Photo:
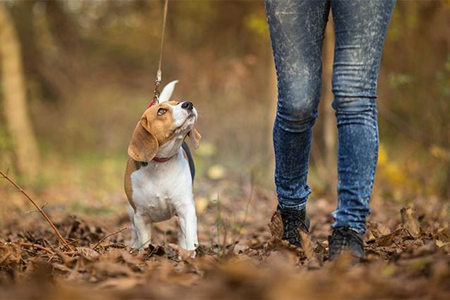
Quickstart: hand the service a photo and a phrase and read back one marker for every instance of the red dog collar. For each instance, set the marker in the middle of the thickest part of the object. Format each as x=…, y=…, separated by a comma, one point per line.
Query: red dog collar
x=162, y=159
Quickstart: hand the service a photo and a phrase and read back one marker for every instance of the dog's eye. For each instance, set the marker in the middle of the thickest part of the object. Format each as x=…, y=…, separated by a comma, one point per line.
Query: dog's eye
x=161, y=111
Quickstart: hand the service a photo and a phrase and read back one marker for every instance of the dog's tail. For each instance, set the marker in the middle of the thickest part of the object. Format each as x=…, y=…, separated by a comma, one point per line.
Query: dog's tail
x=189, y=158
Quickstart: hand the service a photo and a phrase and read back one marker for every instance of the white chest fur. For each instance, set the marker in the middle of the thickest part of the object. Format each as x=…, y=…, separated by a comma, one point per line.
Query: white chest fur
x=160, y=191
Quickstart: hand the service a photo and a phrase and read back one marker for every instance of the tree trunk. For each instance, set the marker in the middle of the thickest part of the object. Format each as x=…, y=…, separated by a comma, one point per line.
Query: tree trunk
x=14, y=99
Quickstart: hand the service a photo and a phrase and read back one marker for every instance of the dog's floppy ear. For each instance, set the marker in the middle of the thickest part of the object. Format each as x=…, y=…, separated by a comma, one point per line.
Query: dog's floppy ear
x=144, y=145
x=195, y=137
x=167, y=91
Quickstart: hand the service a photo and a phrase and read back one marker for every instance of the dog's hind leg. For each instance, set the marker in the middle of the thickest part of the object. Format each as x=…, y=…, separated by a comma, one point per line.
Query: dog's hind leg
x=143, y=231
x=133, y=240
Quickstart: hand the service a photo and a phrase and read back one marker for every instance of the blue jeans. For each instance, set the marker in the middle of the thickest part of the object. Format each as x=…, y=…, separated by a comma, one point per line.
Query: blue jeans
x=297, y=30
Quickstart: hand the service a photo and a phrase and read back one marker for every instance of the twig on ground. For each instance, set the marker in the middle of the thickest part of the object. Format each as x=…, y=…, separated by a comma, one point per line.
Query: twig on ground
x=107, y=236
x=249, y=199
x=58, y=234
x=38, y=247
x=218, y=224
x=140, y=246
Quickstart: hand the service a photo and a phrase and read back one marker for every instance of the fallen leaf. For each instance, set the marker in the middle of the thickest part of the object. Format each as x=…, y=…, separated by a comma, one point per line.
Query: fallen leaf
x=122, y=283
x=440, y=243
x=410, y=221
x=387, y=240
x=88, y=253
x=113, y=269
x=307, y=245
x=276, y=226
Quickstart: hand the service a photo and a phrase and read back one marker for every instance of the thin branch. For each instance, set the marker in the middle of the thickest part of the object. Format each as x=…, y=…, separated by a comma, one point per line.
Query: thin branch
x=108, y=235
x=58, y=234
x=249, y=199
x=38, y=247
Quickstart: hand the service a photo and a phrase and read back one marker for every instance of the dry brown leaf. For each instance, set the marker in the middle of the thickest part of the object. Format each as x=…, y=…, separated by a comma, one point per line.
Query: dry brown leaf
x=182, y=253
x=387, y=240
x=61, y=268
x=276, y=226
x=241, y=270
x=307, y=245
x=396, y=263
x=122, y=283
x=88, y=253
x=113, y=269
x=281, y=259
x=440, y=243
x=410, y=221
x=68, y=260
x=9, y=255
x=132, y=259
x=383, y=229
x=426, y=249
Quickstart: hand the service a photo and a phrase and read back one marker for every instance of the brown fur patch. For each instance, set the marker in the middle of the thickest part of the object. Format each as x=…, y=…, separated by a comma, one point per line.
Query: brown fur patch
x=151, y=131
x=195, y=137
x=143, y=145
x=161, y=127
x=132, y=166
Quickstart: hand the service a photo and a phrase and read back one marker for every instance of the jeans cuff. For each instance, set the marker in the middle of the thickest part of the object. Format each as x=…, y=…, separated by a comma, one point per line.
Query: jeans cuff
x=355, y=226
x=300, y=206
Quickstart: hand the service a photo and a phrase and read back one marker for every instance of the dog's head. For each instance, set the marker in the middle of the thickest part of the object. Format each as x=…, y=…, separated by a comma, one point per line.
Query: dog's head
x=161, y=123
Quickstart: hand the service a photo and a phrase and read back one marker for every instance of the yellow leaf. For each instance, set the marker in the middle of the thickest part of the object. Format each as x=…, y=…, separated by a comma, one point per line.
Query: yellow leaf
x=439, y=152
x=216, y=172
x=382, y=155
x=440, y=243
x=206, y=149
x=201, y=203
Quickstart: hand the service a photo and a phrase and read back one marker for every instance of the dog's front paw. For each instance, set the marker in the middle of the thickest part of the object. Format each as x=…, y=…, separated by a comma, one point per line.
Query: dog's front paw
x=136, y=246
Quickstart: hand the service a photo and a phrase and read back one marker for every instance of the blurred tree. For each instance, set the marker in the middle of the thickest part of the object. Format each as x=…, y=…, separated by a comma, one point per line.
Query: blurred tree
x=64, y=68
x=329, y=122
x=14, y=98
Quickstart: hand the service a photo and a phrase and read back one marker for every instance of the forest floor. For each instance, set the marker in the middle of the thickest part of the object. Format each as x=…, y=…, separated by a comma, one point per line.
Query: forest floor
x=240, y=256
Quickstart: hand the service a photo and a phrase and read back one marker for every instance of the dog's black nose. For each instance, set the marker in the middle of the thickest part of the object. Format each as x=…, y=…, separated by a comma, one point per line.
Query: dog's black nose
x=187, y=105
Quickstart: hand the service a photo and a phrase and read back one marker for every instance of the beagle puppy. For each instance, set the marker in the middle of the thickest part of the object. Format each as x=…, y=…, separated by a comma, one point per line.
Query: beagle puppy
x=160, y=170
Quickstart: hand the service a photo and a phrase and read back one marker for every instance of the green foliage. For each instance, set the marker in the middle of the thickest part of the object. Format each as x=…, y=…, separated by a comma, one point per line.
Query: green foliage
x=5, y=141
x=257, y=23
x=398, y=80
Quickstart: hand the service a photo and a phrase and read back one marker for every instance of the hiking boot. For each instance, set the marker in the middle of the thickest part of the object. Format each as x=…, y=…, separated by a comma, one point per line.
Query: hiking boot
x=293, y=221
x=344, y=239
